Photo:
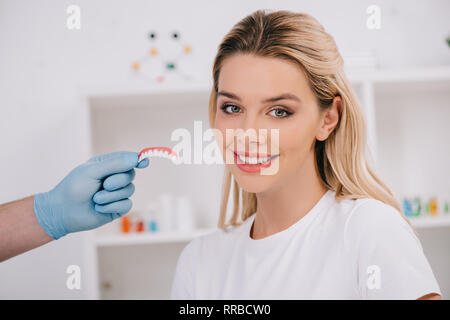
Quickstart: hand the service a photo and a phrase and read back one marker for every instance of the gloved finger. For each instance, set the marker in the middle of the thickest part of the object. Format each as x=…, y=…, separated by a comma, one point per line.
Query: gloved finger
x=119, y=180
x=99, y=167
x=143, y=164
x=116, y=209
x=104, y=196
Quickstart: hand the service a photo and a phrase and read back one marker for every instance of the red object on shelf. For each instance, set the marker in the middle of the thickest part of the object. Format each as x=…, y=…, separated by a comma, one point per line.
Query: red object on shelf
x=140, y=226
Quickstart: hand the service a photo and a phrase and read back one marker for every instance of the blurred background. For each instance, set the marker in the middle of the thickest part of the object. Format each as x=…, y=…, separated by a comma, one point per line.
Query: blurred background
x=131, y=72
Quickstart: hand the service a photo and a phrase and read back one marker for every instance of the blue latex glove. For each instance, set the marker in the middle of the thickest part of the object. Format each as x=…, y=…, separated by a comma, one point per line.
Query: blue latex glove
x=91, y=195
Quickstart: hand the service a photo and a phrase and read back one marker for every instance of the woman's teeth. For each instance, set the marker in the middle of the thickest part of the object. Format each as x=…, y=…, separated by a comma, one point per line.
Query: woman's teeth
x=252, y=160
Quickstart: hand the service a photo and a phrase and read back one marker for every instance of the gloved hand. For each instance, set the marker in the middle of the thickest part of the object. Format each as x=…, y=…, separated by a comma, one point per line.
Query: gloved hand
x=91, y=195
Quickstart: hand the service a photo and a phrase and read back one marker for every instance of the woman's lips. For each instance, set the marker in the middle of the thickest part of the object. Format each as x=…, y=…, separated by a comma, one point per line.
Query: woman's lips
x=246, y=167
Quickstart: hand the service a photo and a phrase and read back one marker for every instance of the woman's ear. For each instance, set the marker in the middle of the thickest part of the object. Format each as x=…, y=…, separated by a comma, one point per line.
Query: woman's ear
x=330, y=119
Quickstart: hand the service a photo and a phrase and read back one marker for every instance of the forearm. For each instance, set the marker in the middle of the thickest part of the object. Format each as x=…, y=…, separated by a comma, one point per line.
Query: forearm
x=19, y=228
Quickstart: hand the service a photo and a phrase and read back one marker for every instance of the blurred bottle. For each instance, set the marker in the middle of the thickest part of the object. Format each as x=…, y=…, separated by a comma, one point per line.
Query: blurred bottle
x=434, y=207
x=416, y=207
x=125, y=224
x=165, y=212
x=407, y=210
x=184, y=215
x=150, y=217
x=140, y=226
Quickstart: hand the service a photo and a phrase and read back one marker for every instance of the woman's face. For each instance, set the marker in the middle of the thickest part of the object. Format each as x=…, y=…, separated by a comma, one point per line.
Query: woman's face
x=245, y=83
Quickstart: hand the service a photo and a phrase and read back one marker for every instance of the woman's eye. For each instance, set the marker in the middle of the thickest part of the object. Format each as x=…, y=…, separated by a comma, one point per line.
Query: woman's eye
x=230, y=108
x=281, y=113
x=277, y=113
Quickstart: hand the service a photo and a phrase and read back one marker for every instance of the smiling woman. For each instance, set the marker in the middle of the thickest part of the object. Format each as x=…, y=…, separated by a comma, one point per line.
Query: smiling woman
x=324, y=226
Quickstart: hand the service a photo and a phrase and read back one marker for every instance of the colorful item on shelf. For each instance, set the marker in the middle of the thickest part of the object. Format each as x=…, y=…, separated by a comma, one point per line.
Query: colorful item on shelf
x=125, y=224
x=140, y=226
x=417, y=208
x=430, y=208
x=151, y=216
x=152, y=226
x=407, y=208
x=433, y=207
x=130, y=225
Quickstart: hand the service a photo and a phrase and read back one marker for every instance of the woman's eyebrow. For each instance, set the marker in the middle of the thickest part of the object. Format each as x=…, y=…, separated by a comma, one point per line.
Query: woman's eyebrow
x=285, y=96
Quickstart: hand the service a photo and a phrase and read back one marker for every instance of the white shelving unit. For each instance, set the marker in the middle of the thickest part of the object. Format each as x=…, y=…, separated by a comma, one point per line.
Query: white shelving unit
x=149, y=238
x=373, y=88
x=431, y=222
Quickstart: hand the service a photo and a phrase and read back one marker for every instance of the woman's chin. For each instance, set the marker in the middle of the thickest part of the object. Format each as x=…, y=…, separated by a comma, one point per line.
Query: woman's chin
x=252, y=184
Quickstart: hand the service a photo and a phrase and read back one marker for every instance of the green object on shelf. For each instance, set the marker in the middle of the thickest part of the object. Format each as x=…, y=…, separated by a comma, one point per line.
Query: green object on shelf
x=446, y=207
x=448, y=41
x=417, y=208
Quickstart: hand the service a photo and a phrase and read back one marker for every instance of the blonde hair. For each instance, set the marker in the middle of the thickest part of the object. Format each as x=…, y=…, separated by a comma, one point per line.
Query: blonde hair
x=341, y=158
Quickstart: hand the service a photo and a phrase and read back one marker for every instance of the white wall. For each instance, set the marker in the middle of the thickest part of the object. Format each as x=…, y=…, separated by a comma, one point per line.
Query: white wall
x=43, y=125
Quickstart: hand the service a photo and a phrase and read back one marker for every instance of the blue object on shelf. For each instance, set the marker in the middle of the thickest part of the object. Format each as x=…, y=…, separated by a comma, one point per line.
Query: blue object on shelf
x=407, y=208
x=153, y=226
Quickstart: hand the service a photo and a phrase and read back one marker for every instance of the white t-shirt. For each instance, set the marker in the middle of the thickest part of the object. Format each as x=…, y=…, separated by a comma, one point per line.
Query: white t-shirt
x=347, y=249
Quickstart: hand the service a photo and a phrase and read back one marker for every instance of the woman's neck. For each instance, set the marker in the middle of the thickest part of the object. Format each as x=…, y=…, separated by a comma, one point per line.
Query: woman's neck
x=280, y=208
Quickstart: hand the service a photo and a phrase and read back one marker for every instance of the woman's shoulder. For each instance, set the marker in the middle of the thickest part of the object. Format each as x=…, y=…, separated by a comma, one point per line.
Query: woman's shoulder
x=373, y=212
x=363, y=210
x=372, y=220
x=363, y=217
x=384, y=249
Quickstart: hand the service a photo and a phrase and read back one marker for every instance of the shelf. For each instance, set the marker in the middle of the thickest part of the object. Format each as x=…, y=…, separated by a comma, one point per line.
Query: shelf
x=402, y=75
x=149, y=238
x=377, y=76
x=169, y=237
x=176, y=236
x=430, y=222
x=142, y=88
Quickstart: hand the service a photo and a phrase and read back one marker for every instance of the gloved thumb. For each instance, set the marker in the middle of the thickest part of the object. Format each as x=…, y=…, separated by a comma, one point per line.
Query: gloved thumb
x=102, y=166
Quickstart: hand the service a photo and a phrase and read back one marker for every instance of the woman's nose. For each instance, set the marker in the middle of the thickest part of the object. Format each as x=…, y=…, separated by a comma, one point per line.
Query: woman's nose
x=252, y=130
